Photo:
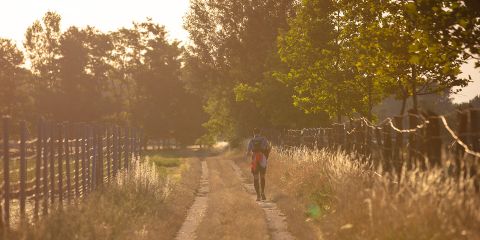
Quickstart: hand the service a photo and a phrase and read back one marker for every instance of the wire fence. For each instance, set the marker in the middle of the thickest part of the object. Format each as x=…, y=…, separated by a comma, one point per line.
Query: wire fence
x=414, y=141
x=48, y=165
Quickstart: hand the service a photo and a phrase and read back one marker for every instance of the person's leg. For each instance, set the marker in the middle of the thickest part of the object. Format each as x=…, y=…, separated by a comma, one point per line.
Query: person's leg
x=256, y=183
x=262, y=179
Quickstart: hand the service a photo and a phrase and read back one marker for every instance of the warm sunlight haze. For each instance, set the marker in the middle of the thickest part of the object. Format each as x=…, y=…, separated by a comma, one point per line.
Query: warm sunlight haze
x=107, y=15
x=240, y=119
x=17, y=15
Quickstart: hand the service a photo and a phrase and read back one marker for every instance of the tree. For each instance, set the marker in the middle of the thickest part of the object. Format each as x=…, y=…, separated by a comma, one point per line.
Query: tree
x=457, y=19
x=125, y=58
x=346, y=56
x=161, y=104
x=42, y=49
x=319, y=66
x=83, y=76
x=427, y=61
x=230, y=64
x=12, y=79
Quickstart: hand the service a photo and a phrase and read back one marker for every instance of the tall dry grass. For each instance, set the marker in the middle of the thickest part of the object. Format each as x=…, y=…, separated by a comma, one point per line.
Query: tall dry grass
x=351, y=200
x=129, y=208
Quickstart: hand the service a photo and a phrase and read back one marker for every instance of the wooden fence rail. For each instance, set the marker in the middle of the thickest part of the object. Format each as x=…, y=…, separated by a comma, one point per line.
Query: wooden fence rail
x=58, y=163
x=430, y=140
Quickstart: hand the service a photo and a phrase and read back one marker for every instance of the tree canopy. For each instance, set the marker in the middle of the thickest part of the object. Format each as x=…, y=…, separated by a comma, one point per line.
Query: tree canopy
x=231, y=61
x=272, y=64
x=128, y=76
x=346, y=56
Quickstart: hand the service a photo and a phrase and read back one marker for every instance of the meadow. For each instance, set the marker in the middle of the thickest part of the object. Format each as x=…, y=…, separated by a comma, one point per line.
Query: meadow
x=350, y=199
x=146, y=202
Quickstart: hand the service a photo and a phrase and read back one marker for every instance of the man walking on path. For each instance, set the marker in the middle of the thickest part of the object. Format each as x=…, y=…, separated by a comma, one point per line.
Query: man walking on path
x=259, y=148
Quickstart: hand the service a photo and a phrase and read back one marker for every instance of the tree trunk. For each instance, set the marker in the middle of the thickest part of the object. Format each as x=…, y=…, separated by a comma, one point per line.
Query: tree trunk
x=414, y=88
x=404, y=104
x=339, y=111
x=370, y=101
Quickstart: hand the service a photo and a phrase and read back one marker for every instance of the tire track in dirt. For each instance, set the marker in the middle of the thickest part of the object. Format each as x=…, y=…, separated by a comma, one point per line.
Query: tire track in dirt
x=231, y=214
x=197, y=210
x=276, y=220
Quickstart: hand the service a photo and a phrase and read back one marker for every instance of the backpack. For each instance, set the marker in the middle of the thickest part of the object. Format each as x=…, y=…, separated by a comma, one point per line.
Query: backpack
x=257, y=145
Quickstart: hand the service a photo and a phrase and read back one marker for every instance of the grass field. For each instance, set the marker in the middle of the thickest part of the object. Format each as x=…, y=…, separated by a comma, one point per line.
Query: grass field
x=350, y=200
x=160, y=161
x=138, y=205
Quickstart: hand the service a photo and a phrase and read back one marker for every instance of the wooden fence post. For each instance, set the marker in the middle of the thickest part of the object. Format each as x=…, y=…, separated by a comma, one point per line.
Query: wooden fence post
x=421, y=146
x=358, y=136
x=60, y=163
x=475, y=129
x=76, y=137
x=23, y=168
x=379, y=145
x=115, y=151
x=38, y=169
x=433, y=142
x=88, y=159
x=45, y=157
x=475, y=138
x=412, y=140
x=67, y=132
x=139, y=144
x=121, y=147
x=133, y=143
x=387, y=147
x=368, y=140
x=302, y=138
x=93, y=158
x=93, y=179
x=126, y=146
x=348, y=136
x=99, y=160
x=336, y=135
x=6, y=172
x=143, y=143
x=320, y=138
x=330, y=137
x=84, y=150
x=109, y=152
x=341, y=135
x=397, y=153
x=362, y=138
x=52, y=161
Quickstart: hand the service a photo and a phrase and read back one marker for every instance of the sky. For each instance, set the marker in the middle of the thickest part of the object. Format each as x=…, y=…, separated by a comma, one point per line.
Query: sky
x=108, y=15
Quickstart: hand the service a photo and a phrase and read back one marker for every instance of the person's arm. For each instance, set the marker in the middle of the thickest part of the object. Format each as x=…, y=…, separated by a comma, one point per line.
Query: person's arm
x=249, y=149
x=267, y=148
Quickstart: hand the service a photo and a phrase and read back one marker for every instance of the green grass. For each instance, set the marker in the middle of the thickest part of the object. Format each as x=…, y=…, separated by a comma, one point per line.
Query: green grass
x=167, y=164
x=160, y=161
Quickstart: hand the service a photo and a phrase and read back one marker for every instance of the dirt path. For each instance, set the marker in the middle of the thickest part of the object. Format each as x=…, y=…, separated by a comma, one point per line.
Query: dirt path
x=197, y=211
x=276, y=220
x=231, y=213
x=299, y=225
x=225, y=207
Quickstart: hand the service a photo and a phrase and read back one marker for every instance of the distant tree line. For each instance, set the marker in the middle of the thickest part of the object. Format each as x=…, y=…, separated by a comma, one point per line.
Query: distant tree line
x=286, y=63
x=272, y=64
x=128, y=76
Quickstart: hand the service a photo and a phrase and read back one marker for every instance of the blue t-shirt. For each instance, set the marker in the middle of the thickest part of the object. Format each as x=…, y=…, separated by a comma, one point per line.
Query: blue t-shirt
x=264, y=141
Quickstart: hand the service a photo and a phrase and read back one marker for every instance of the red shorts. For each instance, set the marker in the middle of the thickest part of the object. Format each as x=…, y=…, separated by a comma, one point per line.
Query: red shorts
x=256, y=166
